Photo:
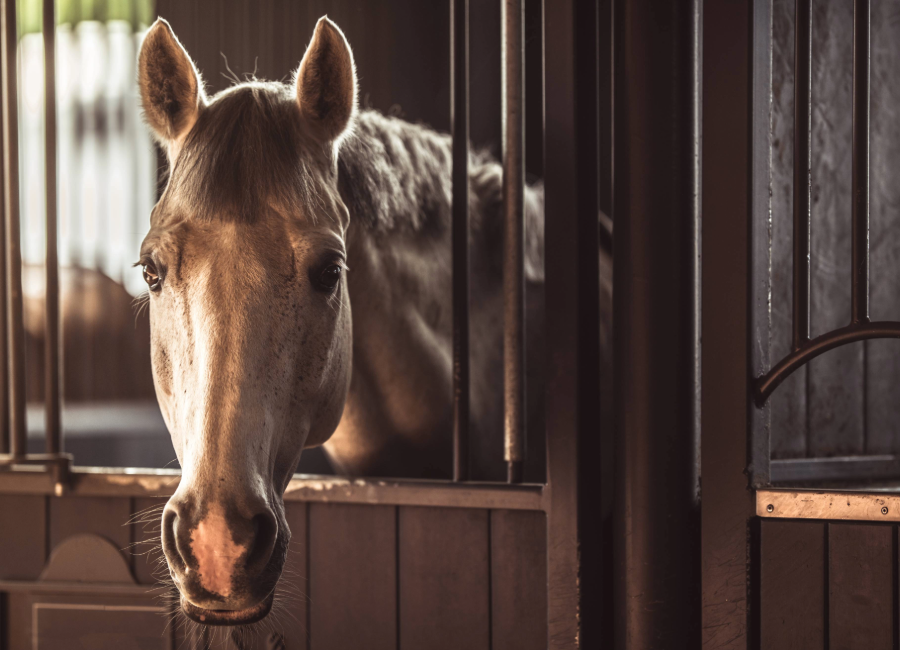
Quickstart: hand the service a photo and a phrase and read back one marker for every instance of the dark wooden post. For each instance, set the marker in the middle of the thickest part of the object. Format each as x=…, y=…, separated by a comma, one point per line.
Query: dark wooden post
x=573, y=322
x=727, y=504
x=656, y=323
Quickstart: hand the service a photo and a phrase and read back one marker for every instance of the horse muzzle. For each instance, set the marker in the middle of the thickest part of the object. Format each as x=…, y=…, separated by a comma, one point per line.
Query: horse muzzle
x=224, y=559
x=227, y=616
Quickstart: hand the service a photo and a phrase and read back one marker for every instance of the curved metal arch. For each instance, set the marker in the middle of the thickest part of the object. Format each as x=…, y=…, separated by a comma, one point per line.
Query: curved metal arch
x=817, y=346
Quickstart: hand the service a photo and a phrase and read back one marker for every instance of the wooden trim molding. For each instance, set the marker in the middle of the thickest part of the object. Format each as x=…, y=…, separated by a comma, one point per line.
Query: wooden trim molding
x=119, y=482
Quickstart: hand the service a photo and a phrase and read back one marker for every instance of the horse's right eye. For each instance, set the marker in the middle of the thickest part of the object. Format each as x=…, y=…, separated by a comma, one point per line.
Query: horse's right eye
x=151, y=277
x=329, y=277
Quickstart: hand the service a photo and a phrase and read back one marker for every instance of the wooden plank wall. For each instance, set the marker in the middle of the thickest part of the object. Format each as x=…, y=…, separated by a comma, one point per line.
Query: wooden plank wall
x=827, y=585
x=844, y=402
x=357, y=576
x=401, y=49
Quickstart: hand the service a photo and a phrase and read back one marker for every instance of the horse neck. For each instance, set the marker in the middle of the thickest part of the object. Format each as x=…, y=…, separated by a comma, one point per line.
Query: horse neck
x=400, y=286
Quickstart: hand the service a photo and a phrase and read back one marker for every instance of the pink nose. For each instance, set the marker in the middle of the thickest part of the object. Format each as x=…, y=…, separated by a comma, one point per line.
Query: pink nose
x=215, y=555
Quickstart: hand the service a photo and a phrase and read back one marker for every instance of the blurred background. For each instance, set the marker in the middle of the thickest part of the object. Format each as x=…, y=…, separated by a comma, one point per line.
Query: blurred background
x=109, y=169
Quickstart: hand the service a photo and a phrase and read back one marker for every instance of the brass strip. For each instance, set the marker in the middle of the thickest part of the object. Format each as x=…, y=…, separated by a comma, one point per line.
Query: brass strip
x=809, y=504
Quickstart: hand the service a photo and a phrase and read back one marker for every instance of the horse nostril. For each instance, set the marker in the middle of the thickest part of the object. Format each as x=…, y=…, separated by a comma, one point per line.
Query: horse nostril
x=170, y=542
x=265, y=533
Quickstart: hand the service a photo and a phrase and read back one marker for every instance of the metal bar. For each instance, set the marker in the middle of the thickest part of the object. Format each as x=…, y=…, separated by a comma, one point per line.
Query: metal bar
x=53, y=429
x=459, y=118
x=16, y=331
x=513, y=21
x=5, y=432
x=862, y=21
x=837, y=505
x=802, y=126
x=695, y=210
x=835, y=338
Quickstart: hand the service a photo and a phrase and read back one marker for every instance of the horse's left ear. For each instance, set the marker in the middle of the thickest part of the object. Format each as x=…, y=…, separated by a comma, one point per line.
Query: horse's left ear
x=326, y=82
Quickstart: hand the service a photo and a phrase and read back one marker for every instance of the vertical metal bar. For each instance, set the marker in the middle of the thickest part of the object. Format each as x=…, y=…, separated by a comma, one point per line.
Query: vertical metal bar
x=802, y=126
x=5, y=433
x=16, y=331
x=459, y=117
x=695, y=182
x=513, y=21
x=862, y=21
x=52, y=333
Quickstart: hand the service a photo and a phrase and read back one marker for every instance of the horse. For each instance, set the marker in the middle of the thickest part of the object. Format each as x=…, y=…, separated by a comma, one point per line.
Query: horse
x=298, y=266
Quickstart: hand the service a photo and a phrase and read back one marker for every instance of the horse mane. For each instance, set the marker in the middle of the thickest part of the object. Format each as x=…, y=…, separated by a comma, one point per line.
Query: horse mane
x=396, y=176
x=248, y=148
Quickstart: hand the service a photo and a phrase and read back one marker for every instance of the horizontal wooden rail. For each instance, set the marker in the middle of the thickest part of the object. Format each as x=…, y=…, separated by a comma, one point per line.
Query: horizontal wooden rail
x=113, y=482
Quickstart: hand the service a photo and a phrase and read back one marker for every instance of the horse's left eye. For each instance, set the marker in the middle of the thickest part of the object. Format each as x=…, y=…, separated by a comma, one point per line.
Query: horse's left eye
x=329, y=277
x=151, y=277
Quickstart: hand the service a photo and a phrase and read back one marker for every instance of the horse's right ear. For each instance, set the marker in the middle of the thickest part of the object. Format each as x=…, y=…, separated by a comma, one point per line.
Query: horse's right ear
x=171, y=88
x=326, y=82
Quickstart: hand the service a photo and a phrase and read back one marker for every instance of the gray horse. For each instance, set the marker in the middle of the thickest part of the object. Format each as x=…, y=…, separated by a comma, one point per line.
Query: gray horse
x=285, y=208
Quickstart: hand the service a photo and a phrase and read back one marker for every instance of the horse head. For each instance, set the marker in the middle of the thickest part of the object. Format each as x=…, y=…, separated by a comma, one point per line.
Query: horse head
x=249, y=312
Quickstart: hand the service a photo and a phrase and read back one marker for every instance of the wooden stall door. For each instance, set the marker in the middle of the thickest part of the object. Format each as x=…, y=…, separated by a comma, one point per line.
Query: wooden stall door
x=357, y=575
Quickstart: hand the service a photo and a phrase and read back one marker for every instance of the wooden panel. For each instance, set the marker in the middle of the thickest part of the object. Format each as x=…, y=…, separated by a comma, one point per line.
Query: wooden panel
x=146, y=521
x=518, y=580
x=103, y=516
x=353, y=576
x=792, y=585
x=883, y=357
x=788, y=403
x=882, y=380
x=290, y=615
x=64, y=626
x=16, y=622
x=444, y=574
x=836, y=417
x=852, y=391
x=23, y=539
x=860, y=589
x=836, y=379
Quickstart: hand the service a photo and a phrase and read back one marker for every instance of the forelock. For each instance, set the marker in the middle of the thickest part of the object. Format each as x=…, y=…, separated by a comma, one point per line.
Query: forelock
x=248, y=152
